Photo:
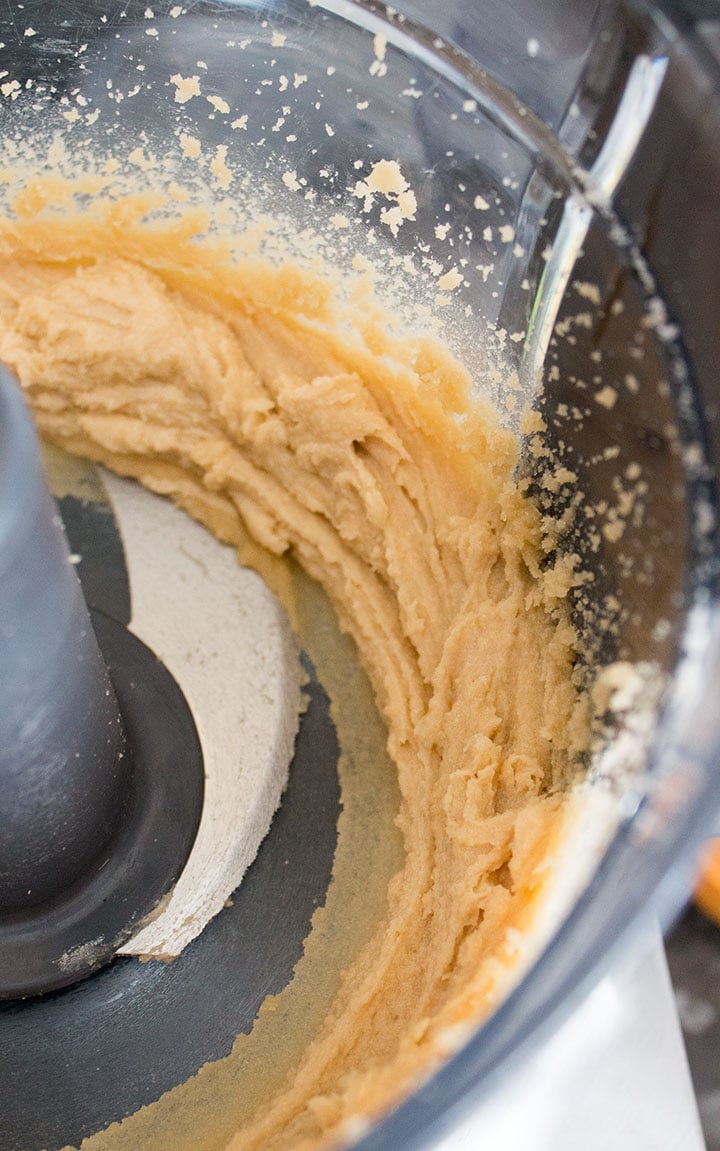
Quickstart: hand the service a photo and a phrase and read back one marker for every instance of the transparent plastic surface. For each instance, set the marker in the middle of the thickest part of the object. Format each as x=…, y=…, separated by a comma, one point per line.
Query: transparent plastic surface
x=541, y=241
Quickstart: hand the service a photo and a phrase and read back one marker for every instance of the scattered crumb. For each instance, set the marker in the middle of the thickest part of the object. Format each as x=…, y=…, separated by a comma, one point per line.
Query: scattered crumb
x=139, y=159
x=185, y=87
x=218, y=104
x=378, y=66
x=588, y=291
x=190, y=146
x=290, y=181
x=450, y=280
x=219, y=168
x=387, y=180
x=606, y=397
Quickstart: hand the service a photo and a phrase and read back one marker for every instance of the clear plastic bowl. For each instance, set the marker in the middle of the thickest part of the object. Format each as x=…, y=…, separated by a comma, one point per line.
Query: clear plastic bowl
x=566, y=169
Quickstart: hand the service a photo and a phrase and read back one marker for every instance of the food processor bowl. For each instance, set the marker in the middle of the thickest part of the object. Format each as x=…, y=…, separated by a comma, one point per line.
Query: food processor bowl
x=550, y=212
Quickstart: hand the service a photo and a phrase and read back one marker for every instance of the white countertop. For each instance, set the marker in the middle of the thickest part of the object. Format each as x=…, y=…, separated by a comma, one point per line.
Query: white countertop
x=614, y=1077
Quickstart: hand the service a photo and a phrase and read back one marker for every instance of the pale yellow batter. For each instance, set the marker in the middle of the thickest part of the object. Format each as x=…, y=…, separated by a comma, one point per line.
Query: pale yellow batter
x=287, y=427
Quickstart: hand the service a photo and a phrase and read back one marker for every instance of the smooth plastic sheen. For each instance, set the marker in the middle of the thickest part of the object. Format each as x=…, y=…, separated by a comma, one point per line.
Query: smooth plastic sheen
x=62, y=762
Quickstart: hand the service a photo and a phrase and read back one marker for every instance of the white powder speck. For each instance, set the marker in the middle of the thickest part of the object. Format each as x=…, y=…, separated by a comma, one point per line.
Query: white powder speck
x=290, y=181
x=533, y=47
x=339, y=221
x=151, y=32
x=379, y=45
x=362, y=105
x=175, y=11
x=441, y=231
x=298, y=79
x=481, y=204
x=506, y=233
x=29, y=32
x=278, y=39
x=241, y=122
x=662, y=630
